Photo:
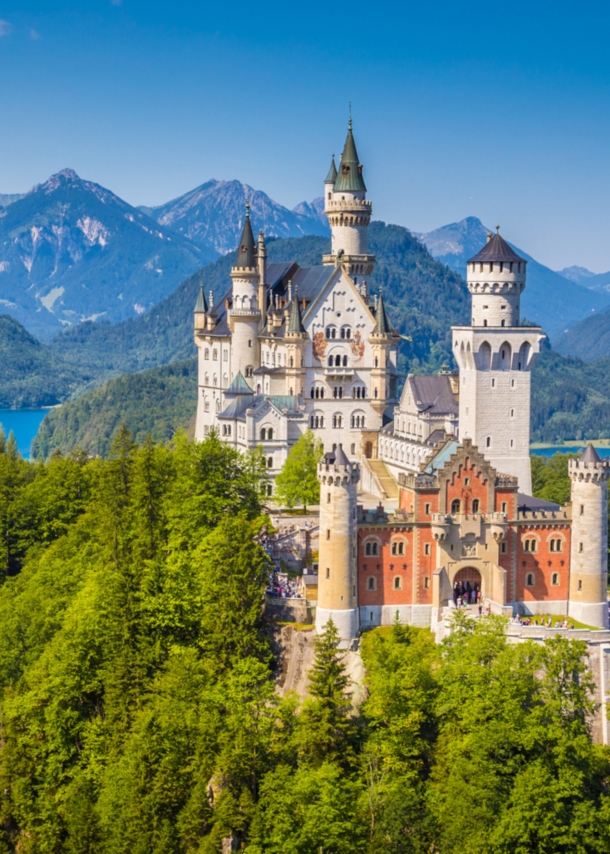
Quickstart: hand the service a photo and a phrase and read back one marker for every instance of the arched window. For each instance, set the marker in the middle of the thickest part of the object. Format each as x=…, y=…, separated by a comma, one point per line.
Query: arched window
x=398, y=547
x=249, y=371
x=337, y=361
x=555, y=579
x=398, y=583
x=331, y=332
x=215, y=355
x=269, y=489
x=346, y=332
x=456, y=505
x=475, y=505
x=330, y=361
x=371, y=583
x=206, y=380
x=345, y=361
x=291, y=365
x=484, y=356
x=206, y=405
x=270, y=462
x=337, y=421
x=206, y=354
x=529, y=579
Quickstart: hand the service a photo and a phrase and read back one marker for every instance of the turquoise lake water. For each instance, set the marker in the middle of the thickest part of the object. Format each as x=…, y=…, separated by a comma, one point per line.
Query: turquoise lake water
x=572, y=449
x=24, y=423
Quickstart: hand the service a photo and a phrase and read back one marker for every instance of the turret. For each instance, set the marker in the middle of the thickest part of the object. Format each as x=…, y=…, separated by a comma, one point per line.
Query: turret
x=495, y=355
x=201, y=310
x=589, y=539
x=496, y=280
x=348, y=212
x=337, y=562
x=263, y=289
x=382, y=343
x=245, y=314
x=295, y=339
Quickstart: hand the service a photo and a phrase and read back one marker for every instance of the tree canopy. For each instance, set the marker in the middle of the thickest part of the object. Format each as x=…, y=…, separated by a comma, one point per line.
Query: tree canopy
x=297, y=483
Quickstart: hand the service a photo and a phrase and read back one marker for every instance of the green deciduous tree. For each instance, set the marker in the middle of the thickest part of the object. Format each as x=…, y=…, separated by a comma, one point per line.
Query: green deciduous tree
x=297, y=483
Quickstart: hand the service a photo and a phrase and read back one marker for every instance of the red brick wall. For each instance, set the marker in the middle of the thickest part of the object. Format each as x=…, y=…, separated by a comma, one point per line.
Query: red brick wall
x=543, y=563
x=390, y=566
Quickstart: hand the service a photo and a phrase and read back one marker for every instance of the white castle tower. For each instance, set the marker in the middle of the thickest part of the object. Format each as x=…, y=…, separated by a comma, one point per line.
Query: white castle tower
x=495, y=357
x=348, y=212
x=337, y=561
x=589, y=549
x=248, y=303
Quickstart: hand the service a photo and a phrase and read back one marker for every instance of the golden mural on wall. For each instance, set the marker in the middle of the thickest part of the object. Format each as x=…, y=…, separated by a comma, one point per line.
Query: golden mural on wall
x=357, y=345
x=319, y=345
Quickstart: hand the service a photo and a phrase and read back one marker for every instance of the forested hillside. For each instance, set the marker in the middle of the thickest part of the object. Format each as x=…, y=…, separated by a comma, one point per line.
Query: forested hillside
x=138, y=702
x=155, y=403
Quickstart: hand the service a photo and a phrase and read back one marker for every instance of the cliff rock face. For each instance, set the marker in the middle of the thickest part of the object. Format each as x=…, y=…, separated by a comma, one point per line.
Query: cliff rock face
x=71, y=250
x=212, y=215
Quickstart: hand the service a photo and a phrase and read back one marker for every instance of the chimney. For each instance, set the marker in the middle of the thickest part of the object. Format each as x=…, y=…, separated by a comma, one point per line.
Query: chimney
x=489, y=236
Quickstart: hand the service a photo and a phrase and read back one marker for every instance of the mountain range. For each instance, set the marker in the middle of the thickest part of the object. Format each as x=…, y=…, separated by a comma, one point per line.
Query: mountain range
x=212, y=215
x=550, y=299
x=73, y=251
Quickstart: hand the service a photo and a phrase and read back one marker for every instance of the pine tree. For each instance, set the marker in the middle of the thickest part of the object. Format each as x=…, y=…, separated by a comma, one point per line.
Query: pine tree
x=327, y=728
x=297, y=483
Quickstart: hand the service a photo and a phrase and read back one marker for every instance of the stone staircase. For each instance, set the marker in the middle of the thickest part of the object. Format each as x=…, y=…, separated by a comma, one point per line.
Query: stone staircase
x=385, y=479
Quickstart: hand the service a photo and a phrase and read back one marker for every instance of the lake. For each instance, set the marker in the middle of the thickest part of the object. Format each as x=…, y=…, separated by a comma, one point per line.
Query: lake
x=24, y=423
x=567, y=449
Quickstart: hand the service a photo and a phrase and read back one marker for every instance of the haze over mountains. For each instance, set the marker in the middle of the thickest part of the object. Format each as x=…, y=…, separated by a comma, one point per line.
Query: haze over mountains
x=550, y=299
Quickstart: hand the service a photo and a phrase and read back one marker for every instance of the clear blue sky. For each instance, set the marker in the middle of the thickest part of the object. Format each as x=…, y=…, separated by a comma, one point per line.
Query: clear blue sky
x=497, y=110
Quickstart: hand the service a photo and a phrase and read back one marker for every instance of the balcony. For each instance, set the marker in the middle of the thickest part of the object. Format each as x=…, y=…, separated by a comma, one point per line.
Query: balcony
x=244, y=312
x=338, y=371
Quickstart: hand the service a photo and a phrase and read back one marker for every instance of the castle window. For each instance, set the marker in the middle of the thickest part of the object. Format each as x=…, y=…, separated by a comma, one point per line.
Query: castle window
x=488, y=442
x=427, y=509
x=328, y=533
x=371, y=549
x=475, y=505
x=269, y=489
x=512, y=413
x=582, y=509
x=456, y=505
x=206, y=354
x=502, y=322
x=263, y=434
x=581, y=548
x=466, y=481
x=504, y=507
x=330, y=361
x=371, y=584
x=493, y=383
x=345, y=361
x=328, y=572
x=217, y=404
x=398, y=583
x=485, y=322
x=337, y=361
x=328, y=498
x=291, y=363
x=337, y=422
x=353, y=448
x=331, y=332
x=503, y=547
x=249, y=371
x=529, y=579
x=346, y=332
x=555, y=579
x=580, y=584
x=512, y=383
x=512, y=443
x=427, y=549
x=215, y=355
x=249, y=342
x=376, y=362
x=427, y=582
x=270, y=462
x=398, y=547
x=206, y=405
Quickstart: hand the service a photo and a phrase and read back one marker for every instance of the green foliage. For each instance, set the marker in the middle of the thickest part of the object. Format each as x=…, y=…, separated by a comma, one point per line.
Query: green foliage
x=154, y=403
x=297, y=483
x=550, y=478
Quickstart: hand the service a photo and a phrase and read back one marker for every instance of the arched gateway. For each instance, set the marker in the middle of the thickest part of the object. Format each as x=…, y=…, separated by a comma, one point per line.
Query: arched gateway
x=467, y=584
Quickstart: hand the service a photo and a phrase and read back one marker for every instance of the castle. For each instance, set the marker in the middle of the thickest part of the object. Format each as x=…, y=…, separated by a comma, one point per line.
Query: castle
x=288, y=348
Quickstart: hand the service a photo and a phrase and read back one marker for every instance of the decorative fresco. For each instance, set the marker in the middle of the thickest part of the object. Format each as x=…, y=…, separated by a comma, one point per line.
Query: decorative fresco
x=319, y=345
x=357, y=345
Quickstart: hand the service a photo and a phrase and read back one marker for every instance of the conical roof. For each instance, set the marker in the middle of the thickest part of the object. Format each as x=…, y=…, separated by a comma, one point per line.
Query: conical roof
x=238, y=386
x=350, y=177
x=383, y=324
x=590, y=455
x=201, y=304
x=295, y=321
x=497, y=249
x=246, y=251
x=332, y=172
x=341, y=458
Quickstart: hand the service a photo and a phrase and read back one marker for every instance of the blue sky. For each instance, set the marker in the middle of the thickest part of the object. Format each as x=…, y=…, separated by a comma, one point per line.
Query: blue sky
x=500, y=111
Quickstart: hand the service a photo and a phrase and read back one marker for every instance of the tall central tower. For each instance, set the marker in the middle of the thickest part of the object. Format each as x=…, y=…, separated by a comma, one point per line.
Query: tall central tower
x=495, y=355
x=348, y=212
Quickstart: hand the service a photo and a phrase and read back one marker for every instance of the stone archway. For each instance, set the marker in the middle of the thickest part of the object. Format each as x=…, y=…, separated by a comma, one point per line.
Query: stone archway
x=468, y=582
